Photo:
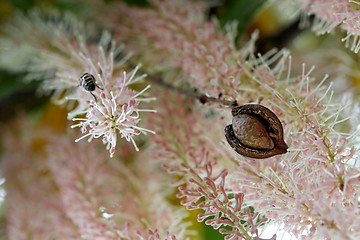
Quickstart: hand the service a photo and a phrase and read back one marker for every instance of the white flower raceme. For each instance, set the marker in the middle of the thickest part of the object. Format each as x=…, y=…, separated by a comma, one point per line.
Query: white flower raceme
x=115, y=113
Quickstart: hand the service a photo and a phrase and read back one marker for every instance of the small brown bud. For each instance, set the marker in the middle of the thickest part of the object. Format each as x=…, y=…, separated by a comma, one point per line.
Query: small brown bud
x=256, y=132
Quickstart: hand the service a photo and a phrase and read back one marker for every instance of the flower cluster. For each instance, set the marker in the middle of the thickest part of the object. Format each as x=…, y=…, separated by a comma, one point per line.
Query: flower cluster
x=75, y=192
x=306, y=191
x=207, y=57
x=115, y=113
x=317, y=151
x=187, y=154
x=64, y=54
x=332, y=13
x=35, y=210
x=102, y=210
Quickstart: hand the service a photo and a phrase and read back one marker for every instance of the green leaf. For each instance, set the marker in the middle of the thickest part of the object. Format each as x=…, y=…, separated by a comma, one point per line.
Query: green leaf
x=243, y=11
x=10, y=83
x=141, y=3
x=16, y=95
x=21, y=4
x=211, y=234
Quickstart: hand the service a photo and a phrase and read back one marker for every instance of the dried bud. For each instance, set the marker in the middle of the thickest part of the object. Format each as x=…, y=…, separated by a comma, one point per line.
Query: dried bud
x=256, y=132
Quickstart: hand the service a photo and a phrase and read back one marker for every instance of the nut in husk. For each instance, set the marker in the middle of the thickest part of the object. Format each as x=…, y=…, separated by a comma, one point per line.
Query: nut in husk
x=255, y=132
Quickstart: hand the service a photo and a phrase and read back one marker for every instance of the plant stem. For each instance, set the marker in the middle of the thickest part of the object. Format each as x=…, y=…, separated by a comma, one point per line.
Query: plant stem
x=199, y=96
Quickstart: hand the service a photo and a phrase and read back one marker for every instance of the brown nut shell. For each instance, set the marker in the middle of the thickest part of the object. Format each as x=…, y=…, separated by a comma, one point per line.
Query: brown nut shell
x=251, y=132
x=256, y=132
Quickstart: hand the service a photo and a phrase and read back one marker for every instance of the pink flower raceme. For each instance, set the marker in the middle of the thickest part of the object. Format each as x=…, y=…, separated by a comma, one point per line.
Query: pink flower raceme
x=307, y=190
x=34, y=208
x=59, y=190
x=113, y=199
x=189, y=153
x=332, y=13
x=63, y=56
x=206, y=57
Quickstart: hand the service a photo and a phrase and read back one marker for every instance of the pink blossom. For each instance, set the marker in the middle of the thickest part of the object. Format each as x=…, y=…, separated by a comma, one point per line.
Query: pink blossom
x=206, y=57
x=187, y=154
x=333, y=13
x=108, y=200
x=293, y=182
x=307, y=191
x=64, y=56
x=34, y=208
x=75, y=192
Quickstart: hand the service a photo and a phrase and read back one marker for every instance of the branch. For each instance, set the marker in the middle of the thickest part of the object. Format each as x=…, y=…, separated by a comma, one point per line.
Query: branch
x=199, y=96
